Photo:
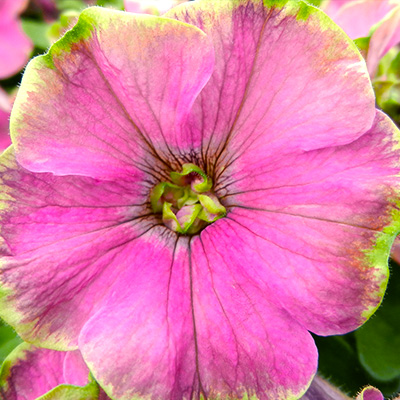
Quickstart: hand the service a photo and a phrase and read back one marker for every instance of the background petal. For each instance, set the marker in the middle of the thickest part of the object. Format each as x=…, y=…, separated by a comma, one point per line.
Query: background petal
x=30, y=372
x=15, y=46
x=386, y=35
x=357, y=17
x=107, y=99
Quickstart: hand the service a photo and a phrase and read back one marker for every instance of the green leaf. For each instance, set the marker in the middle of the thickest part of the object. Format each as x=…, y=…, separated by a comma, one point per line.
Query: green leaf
x=37, y=31
x=8, y=340
x=116, y=4
x=339, y=364
x=378, y=341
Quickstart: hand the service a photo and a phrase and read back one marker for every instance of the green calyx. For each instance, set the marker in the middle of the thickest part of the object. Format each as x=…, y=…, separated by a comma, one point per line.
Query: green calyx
x=186, y=204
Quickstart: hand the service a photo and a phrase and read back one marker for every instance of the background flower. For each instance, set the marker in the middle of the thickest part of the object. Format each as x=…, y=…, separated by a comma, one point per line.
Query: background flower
x=362, y=18
x=15, y=46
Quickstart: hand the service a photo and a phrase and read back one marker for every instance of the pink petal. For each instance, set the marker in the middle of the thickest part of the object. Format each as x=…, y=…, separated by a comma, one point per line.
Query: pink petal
x=15, y=46
x=386, y=35
x=319, y=214
x=273, y=79
x=30, y=372
x=156, y=7
x=331, y=7
x=181, y=328
x=370, y=393
x=357, y=18
x=105, y=101
x=64, y=233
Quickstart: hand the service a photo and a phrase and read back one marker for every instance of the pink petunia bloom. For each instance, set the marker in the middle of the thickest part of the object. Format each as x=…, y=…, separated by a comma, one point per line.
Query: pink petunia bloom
x=30, y=372
x=15, y=46
x=155, y=7
x=187, y=197
x=361, y=18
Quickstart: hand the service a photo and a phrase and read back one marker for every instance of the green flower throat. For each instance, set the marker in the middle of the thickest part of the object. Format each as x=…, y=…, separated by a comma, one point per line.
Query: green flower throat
x=187, y=204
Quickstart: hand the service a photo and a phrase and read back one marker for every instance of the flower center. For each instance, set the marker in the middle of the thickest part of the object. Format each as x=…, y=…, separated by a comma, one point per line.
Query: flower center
x=187, y=204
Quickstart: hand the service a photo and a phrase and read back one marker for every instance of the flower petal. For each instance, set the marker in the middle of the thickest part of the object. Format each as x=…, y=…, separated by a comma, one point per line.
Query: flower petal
x=317, y=228
x=15, y=46
x=281, y=73
x=107, y=99
x=386, y=35
x=30, y=372
x=194, y=332
x=357, y=17
x=146, y=329
x=370, y=393
x=64, y=233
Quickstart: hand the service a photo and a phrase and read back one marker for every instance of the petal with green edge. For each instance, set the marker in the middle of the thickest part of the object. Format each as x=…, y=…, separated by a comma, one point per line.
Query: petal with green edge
x=101, y=104
x=32, y=373
x=62, y=232
x=329, y=216
x=281, y=72
x=220, y=341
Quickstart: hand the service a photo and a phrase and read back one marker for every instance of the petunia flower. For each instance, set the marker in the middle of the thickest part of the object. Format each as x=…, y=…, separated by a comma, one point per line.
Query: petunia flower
x=15, y=46
x=361, y=18
x=187, y=197
x=32, y=373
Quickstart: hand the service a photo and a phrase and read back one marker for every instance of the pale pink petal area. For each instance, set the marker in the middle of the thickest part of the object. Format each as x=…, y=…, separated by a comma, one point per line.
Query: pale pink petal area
x=386, y=35
x=68, y=234
x=15, y=46
x=370, y=393
x=30, y=372
x=120, y=93
x=5, y=110
x=276, y=76
x=196, y=329
x=302, y=211
x=357, y=18
x=156, y=7
x=74, y=369
x=331, y=7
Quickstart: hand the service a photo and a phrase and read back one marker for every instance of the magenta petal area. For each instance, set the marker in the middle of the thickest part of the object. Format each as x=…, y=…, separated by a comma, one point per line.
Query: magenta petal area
x=370, y=393
x=30, y=372
x=110, y=96
x=67, y=235
x=191, y=324
x=276, y=76
x=307, y=222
